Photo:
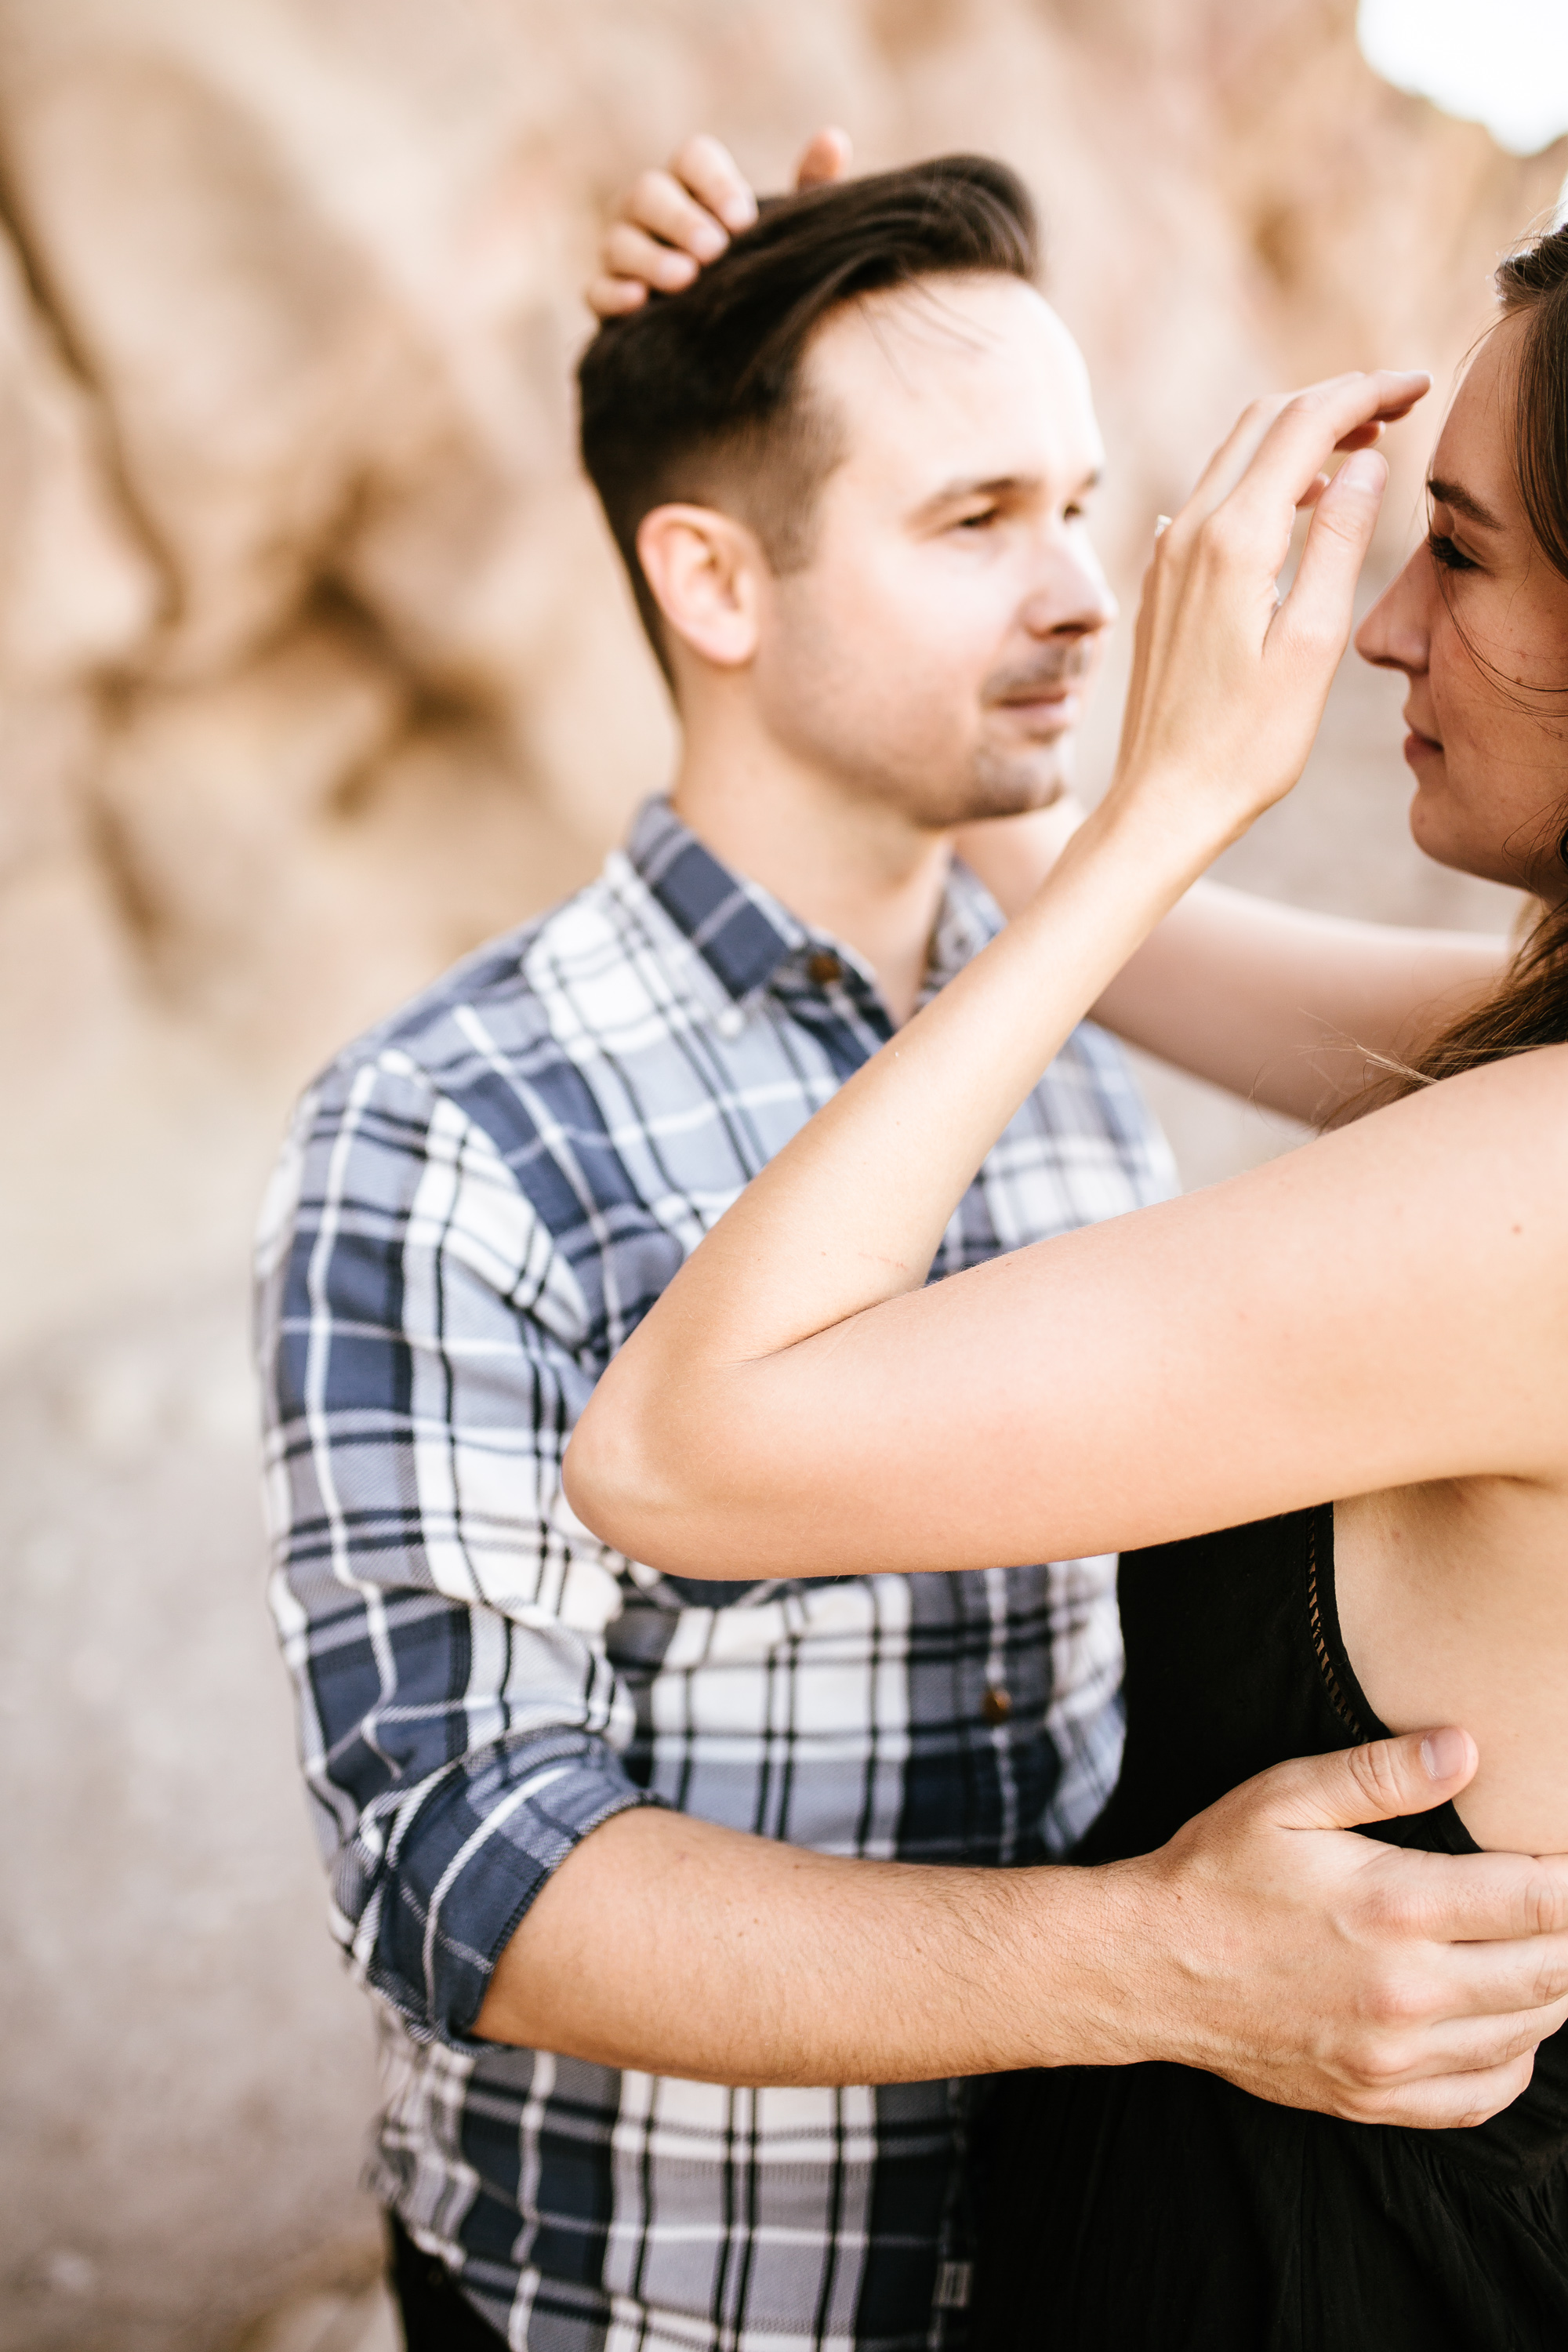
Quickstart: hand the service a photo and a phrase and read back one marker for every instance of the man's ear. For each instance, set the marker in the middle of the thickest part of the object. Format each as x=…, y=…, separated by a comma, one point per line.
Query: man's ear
x=705, y=571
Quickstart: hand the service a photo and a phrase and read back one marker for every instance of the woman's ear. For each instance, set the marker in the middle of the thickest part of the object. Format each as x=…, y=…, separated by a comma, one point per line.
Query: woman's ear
x=705, y=571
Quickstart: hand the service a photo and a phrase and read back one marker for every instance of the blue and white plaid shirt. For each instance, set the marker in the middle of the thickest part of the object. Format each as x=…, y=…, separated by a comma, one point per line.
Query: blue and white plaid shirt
x=477, y=1202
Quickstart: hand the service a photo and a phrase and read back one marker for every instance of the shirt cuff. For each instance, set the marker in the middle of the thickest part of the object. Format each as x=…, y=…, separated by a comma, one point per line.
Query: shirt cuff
x=458, y=1880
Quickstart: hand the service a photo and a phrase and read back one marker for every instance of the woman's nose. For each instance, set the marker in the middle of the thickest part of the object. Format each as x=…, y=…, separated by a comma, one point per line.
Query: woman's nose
x=1395, y=632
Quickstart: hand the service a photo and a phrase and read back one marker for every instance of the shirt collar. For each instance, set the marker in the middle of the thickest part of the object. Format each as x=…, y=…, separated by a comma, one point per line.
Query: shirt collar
x=738, y=929
x=742, y=931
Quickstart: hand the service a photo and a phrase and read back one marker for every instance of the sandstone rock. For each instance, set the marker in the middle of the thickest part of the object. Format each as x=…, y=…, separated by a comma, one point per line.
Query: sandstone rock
x=247, y=360
x=77, y=590
x=210, y=794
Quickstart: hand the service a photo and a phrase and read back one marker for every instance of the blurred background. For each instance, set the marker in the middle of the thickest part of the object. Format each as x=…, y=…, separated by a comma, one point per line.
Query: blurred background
x=315, y=668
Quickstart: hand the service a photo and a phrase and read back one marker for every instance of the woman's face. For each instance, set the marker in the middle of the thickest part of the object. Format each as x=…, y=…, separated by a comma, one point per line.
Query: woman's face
x=1477, y=621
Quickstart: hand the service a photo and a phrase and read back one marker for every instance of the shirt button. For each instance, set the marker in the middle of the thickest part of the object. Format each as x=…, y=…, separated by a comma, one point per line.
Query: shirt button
x=997, y=1705
x=824, y=968
x=731, y=1022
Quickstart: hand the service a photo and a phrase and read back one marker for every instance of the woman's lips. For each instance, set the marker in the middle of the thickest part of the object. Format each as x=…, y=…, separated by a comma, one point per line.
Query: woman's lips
x=1420, y=747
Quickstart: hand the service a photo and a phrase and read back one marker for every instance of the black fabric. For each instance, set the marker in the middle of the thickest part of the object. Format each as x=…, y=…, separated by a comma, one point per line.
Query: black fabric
x=436, y=2314
x=1155, y=2209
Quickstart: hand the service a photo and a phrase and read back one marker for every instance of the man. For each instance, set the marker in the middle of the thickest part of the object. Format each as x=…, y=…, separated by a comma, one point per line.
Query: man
x=635, y=1867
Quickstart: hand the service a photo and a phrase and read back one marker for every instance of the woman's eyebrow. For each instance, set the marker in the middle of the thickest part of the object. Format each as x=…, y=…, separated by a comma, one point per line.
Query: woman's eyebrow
x=1450, y=494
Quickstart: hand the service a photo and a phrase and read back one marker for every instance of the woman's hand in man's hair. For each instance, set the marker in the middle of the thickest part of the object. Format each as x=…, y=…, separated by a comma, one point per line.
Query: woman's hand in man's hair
x=671, y=222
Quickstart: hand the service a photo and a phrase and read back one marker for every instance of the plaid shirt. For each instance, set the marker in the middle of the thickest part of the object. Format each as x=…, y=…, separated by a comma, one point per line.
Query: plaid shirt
x=477, y=1202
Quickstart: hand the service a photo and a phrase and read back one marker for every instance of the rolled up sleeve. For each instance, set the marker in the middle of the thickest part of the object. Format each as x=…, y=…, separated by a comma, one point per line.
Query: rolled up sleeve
x=424, y=1358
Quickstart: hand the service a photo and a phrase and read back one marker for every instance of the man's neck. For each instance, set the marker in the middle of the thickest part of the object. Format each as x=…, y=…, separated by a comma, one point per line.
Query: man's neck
x=855, y=868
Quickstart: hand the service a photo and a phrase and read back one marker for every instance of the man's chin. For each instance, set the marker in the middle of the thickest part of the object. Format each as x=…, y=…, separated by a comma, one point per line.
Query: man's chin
x=1017, y=787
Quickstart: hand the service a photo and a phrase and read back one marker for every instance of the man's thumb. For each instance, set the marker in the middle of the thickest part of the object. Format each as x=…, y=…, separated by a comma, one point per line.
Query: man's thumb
x=1374, y=1783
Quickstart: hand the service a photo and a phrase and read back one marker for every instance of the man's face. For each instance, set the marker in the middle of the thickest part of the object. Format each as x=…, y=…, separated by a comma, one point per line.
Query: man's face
x=935, y=652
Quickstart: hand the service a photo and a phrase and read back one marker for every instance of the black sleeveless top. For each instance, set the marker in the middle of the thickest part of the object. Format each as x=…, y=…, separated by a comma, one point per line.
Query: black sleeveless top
x=1156, y=2208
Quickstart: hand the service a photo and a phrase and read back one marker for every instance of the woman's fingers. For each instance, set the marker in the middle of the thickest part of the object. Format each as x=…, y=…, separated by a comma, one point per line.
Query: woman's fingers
x=1315, y=616
x=827, y=158
x=705, y=168
x=613, y=298
x=1227, y=682
x=1287, y=435
x=628, y=252
x=671, y=222
x=1307, y=431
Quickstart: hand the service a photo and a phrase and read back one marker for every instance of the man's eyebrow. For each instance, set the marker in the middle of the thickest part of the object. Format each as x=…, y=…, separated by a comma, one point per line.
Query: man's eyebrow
x=997, y=486
x=1451, y=494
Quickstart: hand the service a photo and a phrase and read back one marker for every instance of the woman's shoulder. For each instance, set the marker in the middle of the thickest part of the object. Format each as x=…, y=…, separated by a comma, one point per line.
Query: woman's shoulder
x=1472, y=1168
x=1518, y=1104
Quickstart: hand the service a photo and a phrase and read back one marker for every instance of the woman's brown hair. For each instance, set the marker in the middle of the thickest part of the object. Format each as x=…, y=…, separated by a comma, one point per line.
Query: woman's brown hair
x=1530, y=1007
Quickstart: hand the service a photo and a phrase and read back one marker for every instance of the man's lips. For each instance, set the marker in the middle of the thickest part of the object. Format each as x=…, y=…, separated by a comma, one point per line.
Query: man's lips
x=1057, y=705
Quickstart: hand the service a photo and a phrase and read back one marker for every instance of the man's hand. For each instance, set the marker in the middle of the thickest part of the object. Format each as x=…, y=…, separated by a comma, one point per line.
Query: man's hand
x=1322, y=1970
x=1264, y=1943
x=671, y=222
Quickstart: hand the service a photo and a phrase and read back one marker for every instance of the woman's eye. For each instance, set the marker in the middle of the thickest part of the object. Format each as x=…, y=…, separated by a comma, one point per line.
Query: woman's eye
x=977, y=522
x=1445, y=553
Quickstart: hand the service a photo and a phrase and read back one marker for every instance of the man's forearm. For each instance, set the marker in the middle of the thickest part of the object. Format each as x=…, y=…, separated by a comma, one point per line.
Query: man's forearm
x=1283, y=1006
x=1275, y=1003
x=675, y=1948
x=1264, y=1943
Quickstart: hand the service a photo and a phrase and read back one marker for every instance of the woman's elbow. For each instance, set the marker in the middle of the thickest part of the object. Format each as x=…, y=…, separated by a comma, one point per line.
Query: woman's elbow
x=622, y=1481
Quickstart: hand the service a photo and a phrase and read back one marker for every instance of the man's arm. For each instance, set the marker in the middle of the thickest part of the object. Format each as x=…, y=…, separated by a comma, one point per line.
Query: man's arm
x=1266, y=1943
x=460, y=1727
x=1285, y=1007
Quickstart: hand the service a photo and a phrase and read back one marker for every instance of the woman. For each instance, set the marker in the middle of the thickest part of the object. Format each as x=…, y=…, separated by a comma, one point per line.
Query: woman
x=1381, y=1317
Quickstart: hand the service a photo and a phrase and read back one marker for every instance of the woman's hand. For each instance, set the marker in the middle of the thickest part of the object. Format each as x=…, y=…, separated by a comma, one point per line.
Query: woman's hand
x=669, y=223
x=1229, y=679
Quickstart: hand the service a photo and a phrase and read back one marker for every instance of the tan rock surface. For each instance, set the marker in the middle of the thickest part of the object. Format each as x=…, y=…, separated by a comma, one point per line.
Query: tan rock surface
x=314, y=669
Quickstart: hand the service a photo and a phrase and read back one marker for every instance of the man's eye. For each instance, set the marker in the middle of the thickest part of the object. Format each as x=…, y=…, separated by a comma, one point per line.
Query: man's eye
x=1445, y=553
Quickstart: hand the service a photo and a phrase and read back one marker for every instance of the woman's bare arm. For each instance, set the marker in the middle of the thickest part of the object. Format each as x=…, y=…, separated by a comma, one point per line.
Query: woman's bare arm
x=1386, y=1306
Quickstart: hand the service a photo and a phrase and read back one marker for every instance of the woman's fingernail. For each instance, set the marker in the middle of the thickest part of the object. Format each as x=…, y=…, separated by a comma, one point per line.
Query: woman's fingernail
x=1364, y=471
x=708, y=240
x=1443, y=1753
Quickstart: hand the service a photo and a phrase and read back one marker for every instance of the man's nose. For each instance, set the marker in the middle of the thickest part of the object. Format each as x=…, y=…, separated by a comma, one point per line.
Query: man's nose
x=1396, y=634
x=1072, y=597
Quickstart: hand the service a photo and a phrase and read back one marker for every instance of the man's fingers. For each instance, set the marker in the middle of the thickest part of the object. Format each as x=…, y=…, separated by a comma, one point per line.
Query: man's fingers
x=1377, y=1783
x=1471, y=2046
x=706, y=167
x=1507, y=1910
x=630, y=252
x=827, y=158
x=1444, y=2102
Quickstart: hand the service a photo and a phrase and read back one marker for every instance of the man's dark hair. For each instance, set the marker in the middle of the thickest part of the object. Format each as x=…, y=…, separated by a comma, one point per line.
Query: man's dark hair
x=697, y=397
